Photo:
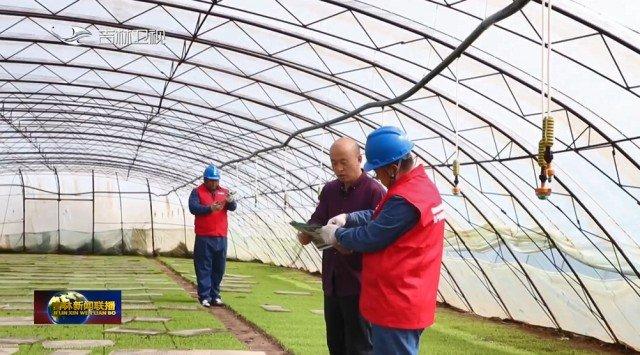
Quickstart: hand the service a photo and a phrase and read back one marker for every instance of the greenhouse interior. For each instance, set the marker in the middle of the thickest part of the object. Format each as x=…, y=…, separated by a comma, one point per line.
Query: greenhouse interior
x=519, y=120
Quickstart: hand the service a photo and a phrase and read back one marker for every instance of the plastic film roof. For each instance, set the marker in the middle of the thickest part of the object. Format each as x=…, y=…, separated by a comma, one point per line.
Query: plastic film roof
x=158, y=89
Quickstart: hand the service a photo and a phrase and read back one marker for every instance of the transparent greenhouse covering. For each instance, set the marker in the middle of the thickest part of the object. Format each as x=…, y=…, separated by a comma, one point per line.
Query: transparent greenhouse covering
x=111, y=109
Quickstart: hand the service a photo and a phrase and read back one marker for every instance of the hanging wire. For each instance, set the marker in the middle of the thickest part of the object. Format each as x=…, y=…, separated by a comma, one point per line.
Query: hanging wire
x=255, y=184
x=285, y=184
x=373, y=68
x=549, y=12
x=433, y=27
x=456, y=161
x=486, y=5
x=323, y=153
x=238, y=176
x=543, y=76
x=457, y=109
x=545, y=156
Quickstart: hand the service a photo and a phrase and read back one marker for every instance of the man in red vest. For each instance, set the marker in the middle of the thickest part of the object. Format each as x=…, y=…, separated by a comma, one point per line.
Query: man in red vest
x=401, y=241
x=209, y=203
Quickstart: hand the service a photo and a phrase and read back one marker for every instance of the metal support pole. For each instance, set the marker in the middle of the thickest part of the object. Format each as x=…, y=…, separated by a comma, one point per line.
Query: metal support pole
x=122, y=249
x=24, y=213
x=55, y=171
x=184, y=219
x=153, y=237
x=93, y=213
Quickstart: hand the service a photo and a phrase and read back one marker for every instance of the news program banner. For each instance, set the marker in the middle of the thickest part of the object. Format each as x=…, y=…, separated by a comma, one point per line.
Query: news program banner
x=77, y=307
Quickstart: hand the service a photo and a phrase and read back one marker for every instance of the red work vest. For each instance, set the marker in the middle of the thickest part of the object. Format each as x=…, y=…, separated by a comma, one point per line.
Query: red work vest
x=399, y=283
x=213, y=224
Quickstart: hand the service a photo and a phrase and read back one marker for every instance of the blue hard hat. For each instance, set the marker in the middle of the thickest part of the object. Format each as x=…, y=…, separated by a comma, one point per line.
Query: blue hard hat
x=384, y=146
x=211, y=173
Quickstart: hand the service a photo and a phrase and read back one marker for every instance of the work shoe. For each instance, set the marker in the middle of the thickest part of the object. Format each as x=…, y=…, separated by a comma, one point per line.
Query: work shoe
x=205, y=303
x=218, y=302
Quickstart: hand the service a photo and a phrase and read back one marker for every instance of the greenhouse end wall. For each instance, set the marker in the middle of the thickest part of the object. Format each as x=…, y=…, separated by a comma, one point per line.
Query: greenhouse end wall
x=92, y=214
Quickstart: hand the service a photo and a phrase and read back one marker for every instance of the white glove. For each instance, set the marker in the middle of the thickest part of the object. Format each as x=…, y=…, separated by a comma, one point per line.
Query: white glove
x=231, y=196
x=339, y=220
x=328, y=234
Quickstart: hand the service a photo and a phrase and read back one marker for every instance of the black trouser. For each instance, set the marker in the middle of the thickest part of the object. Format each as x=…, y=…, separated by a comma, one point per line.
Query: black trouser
x=347, y=332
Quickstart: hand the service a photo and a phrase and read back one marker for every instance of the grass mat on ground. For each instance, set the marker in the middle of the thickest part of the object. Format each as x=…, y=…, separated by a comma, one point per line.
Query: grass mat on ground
x=299, y=331
x=117, y=270
x=304, y=332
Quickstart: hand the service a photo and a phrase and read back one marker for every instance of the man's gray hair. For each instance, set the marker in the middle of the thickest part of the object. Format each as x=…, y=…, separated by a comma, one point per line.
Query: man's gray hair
x=407, y=162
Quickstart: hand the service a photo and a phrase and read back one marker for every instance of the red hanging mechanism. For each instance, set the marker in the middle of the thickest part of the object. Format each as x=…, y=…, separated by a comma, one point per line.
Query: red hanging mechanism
x=545, y=156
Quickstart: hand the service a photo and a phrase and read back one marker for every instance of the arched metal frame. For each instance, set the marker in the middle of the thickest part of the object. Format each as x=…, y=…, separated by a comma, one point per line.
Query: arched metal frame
x=45, y=118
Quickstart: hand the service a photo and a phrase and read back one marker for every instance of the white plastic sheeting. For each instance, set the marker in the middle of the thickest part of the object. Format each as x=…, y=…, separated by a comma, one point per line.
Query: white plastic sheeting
x=71, y=214
x=226, y=80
